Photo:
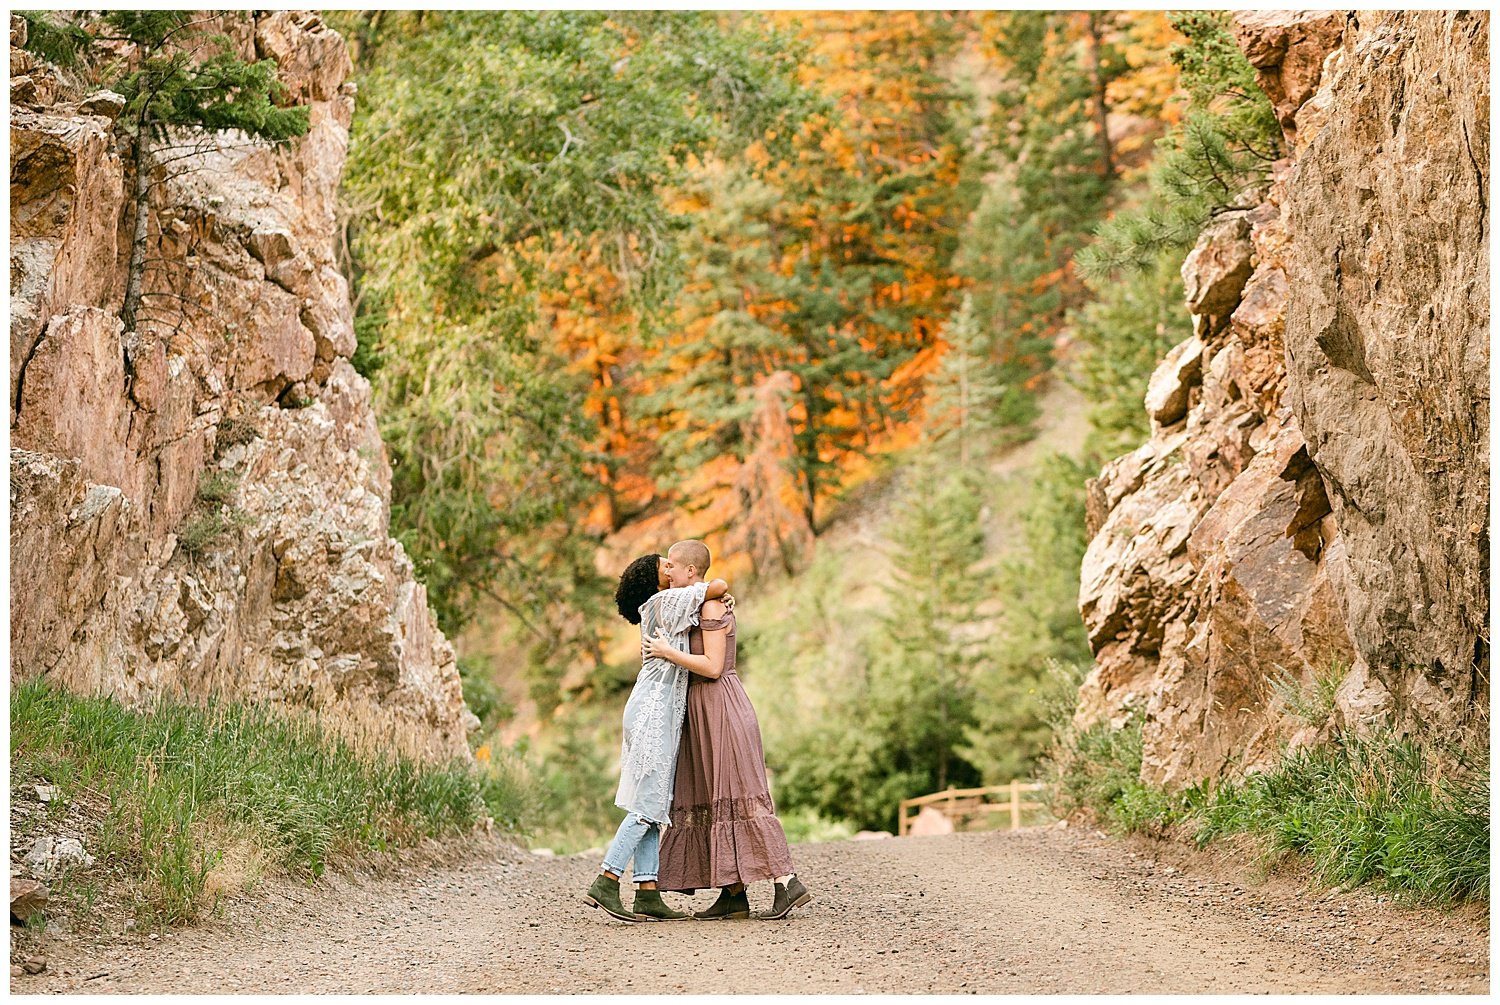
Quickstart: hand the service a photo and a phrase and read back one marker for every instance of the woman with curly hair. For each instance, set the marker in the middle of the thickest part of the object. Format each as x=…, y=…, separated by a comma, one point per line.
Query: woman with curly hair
x=662, y=597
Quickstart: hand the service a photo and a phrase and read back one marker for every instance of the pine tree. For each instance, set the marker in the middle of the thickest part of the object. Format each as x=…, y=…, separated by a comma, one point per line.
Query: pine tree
x=168, y=85
x=867, y=225
x=1038, y=584
x=934, y=632
x=696, y=388
x=969, y=397
x=1226, y=143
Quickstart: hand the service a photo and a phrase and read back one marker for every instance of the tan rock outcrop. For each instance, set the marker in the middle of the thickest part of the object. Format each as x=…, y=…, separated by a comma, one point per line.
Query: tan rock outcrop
x=1287, y=49
x=1387, y=337
x=1313, y=496
x=201, y=506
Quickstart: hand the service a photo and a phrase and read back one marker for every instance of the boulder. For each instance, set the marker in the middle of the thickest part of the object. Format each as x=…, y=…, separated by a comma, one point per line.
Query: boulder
x=930, y=820
x=27, y=897
x=1215, y=271
x=1175, y=376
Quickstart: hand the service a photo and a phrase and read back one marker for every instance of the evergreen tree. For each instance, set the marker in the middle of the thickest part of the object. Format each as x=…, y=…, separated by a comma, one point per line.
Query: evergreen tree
x=867, y=226
x=893, y=728
x=1120, y=337
x=934, y=630
x=695, y=389
x=1225, y=143
x=969, y=397
x=1038, y=586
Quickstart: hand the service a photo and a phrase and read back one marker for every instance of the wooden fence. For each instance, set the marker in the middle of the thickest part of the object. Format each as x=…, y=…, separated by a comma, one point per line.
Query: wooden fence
x=964, y=805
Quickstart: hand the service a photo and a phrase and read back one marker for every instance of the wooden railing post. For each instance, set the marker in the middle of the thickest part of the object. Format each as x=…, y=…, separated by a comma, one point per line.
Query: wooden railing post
x=1015, y=805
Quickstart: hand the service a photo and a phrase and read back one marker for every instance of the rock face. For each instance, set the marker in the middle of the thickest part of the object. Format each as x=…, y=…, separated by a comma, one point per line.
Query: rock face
x=202, y=506
x=1387, y=341
x=1313, y=498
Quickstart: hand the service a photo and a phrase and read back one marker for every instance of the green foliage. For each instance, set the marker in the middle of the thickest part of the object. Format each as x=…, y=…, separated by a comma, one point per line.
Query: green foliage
x=1369, y=809
x=971, y=398
x=694, y=394
x=935, y=640
x=484, y=143
x=185, y=782
x=1039, y=627
x=1057, y=183
x=1091, y=769
x=1224, y=144
x=1121, y=335
x=214, y=516
x=1311, y=701
x=805, y=826
x=892, y=729
x=216, y=487
x=483, y=696
x=205, y=531
x=573, y=785
x=50, y=35
x=171, y=84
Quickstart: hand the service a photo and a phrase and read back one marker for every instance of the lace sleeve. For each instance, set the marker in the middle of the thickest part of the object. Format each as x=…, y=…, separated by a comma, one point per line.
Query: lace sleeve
x=678, y=609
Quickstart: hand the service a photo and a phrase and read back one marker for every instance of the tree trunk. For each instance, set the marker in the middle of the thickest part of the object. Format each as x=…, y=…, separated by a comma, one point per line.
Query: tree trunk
x=810, y=457
x=141, y=152
x=1101, y=107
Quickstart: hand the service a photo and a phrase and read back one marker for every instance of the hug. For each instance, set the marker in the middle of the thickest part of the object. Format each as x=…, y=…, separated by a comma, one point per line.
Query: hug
x=699, y=813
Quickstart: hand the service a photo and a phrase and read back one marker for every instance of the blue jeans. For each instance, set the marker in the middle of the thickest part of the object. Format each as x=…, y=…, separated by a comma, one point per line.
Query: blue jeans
x=636, y=838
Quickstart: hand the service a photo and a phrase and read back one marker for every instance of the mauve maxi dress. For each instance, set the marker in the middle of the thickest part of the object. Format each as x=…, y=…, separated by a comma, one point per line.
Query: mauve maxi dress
x=724, y=826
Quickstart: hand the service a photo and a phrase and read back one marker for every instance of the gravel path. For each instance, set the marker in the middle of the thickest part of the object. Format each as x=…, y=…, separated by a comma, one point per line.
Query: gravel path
x=1041, y=910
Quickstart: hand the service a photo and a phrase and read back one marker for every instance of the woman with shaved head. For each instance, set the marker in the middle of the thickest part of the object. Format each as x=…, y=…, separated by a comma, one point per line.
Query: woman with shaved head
x=724, y=831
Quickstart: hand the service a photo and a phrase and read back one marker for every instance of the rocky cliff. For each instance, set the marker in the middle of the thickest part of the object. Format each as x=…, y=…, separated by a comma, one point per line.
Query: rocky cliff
x=1313, y=499
x=202, y=505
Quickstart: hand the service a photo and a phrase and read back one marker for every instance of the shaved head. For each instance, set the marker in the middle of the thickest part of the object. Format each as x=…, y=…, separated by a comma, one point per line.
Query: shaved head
x=694, y=553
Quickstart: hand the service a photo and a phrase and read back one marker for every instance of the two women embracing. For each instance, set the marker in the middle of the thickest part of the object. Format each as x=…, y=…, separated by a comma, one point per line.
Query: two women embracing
x=693, y=784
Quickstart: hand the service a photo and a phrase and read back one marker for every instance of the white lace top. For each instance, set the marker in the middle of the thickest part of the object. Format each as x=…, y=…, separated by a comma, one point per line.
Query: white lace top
x=654, y=713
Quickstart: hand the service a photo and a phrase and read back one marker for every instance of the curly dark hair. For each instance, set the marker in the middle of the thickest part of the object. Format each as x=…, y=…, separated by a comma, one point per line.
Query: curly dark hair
x=638, y=583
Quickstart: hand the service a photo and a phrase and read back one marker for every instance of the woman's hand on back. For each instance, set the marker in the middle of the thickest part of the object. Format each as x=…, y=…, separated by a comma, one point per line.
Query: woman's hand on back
x=657, y=647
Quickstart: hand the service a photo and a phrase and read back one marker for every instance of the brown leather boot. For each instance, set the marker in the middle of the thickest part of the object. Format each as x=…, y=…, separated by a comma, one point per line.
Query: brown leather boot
x=788, y=897
x=729, y=907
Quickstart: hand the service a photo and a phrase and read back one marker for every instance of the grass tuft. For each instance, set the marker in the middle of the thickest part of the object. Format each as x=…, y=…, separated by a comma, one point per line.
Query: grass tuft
x=1368, y=809
x=1362, y=809
x=201, y=798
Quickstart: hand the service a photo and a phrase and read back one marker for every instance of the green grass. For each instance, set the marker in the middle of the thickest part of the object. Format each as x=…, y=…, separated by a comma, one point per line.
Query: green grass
x=187, y=785
x=1368, y=809
x=1311, y=702
x=1372, y=809
x=214, y=516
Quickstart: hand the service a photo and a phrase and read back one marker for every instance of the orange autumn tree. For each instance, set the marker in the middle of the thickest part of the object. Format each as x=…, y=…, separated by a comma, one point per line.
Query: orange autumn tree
x=831, y=262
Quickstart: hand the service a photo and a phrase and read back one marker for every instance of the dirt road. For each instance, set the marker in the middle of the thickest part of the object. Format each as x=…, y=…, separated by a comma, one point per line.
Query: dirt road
x=1043, y=910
